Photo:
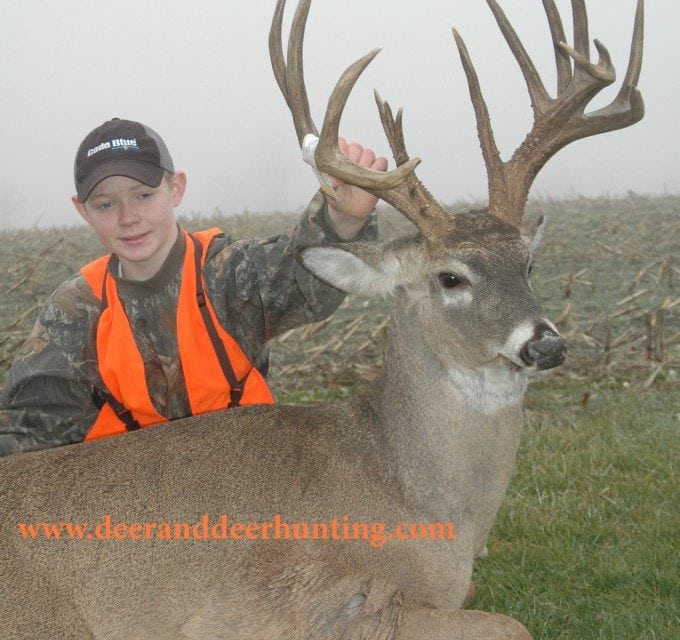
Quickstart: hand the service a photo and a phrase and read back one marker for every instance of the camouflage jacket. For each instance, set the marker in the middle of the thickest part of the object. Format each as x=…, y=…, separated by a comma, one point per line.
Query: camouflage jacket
x=258, y=290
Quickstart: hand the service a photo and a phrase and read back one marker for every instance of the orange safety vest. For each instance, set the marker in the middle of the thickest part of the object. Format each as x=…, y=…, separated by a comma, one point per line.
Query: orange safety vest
x=217, y=373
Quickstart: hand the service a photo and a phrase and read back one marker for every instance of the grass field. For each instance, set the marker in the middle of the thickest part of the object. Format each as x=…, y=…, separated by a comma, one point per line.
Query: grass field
x=586, y=544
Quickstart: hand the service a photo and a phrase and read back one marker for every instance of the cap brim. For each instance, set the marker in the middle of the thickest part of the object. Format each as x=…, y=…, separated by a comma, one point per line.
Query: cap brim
x=147, y=174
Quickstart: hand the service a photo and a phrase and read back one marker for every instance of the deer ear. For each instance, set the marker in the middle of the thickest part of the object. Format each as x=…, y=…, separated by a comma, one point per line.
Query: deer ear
x=532, y=232
x=364, y=268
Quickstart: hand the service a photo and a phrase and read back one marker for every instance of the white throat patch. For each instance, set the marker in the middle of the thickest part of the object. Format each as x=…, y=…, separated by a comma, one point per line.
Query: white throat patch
x=489, y=388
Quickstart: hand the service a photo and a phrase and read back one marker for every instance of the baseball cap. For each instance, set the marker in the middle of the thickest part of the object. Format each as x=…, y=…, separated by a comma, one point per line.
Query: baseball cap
x=120, y=148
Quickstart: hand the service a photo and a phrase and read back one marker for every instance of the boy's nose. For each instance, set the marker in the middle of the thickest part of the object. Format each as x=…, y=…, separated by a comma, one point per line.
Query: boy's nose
x=127, y=215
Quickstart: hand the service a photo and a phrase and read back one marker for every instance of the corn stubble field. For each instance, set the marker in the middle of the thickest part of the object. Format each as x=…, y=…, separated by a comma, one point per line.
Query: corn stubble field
x=586, y=543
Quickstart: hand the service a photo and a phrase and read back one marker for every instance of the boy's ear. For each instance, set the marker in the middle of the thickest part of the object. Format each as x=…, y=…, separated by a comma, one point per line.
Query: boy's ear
x=80, y=208
x=532, y=232
x=365, y=268
x=178, y=185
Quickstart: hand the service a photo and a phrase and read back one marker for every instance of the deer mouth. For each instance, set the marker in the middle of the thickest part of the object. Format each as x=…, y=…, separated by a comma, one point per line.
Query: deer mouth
x=507, y=363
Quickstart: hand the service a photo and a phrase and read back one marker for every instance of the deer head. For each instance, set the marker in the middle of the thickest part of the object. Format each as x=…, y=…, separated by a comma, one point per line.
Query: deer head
x=465, y=275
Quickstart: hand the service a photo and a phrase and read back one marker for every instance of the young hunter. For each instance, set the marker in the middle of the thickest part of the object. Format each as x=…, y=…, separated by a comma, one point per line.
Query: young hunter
x=170, y=324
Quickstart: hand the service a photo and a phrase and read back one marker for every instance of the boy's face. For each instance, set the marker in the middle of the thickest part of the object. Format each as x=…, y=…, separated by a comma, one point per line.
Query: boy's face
x=135, y=221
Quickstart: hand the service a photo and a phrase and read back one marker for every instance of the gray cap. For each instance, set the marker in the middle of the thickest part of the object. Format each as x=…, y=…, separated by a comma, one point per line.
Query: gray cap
x=120, y=148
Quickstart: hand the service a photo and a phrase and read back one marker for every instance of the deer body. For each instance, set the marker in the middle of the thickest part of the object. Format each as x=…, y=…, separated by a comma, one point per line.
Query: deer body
x=427, y=462
x=432, y=439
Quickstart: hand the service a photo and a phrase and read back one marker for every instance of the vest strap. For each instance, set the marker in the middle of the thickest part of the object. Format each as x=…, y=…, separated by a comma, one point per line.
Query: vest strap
x=100, y=397
x=235, y=386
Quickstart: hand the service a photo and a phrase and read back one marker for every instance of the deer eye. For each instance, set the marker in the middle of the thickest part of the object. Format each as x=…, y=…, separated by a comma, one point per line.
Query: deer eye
x=449, y=281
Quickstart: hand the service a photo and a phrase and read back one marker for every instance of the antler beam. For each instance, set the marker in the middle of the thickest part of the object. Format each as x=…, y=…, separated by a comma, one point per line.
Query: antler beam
x=557, y=121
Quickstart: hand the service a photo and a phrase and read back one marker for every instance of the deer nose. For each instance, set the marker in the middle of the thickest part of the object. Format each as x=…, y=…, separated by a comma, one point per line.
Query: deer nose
x=545, y=350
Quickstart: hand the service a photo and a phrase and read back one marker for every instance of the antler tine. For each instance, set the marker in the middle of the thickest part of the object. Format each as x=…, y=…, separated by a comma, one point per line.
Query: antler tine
x=295, y=71
x=328, y=155
x=276, y=49
x=629, y=86
x=628, y=107
x=290, y=76
x=412, y=199
x=562, y=59
x=581, y=37
x=393, y=129
x=557, y=121
x=492, y=158
x=539, y=96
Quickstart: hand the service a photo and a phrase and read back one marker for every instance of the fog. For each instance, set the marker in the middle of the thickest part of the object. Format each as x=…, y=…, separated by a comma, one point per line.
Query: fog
x=199, y=74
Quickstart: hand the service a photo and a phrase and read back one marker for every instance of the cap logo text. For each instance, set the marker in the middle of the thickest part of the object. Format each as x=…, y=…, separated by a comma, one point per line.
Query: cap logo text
x=117, y=144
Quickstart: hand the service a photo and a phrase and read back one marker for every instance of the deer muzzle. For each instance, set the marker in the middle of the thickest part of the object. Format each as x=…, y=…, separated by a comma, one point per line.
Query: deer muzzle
x=546, y=349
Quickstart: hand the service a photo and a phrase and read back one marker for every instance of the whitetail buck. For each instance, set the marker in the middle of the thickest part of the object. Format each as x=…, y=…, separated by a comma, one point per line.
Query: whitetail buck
x=433, y=439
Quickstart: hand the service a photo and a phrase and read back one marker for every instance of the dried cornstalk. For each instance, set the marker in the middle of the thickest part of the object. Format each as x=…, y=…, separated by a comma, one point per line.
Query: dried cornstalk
x=320, y=348
x=571, y=280
x=564, y=315
x=649, y=347
x=20, y=319
x=284, y=336
x=666, y=267
x=607, y=342
x=589, y=340
x=637, y=294
x=640, y=274
x=379, y=328
x=351, y=329
x=613, y=250
x=364, y=345
x=315, y=328
x=626, y=311
x=621, y=339
x=659, y=346
x=650, y=381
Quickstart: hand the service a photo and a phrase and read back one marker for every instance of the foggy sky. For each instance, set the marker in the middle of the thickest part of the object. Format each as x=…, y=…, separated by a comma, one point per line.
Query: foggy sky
x=199, y=74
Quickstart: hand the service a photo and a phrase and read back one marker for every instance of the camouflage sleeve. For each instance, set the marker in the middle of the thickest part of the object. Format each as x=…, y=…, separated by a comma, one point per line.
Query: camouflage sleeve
x=261, y=290
x=47, y=400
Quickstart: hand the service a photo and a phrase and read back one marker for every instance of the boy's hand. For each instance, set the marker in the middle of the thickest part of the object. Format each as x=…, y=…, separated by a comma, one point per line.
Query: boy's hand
x=348, y=213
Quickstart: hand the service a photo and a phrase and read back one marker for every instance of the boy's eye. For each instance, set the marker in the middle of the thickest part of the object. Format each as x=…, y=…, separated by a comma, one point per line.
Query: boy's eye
x=103, y=206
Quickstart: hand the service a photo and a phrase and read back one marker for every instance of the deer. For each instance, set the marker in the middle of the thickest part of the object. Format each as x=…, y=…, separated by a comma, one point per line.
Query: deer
x=432, y=439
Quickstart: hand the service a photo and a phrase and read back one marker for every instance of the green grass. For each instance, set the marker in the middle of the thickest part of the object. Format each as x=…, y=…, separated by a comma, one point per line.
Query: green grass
x=586, y=542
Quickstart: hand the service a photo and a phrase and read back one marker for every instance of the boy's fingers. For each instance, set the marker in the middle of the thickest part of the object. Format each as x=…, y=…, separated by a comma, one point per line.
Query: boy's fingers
x=367, y=158
x=354, y=152
x=379, y=164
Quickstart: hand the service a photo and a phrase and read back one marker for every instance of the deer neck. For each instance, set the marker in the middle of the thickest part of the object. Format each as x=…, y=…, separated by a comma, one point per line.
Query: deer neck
x=452, y=433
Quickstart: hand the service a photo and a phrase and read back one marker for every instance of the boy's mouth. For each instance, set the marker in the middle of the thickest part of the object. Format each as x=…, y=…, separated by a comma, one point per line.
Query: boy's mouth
x=136, y=239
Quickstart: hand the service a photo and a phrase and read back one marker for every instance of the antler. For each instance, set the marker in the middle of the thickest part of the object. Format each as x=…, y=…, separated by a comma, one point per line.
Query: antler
x=557, y=121
x=400, y=187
